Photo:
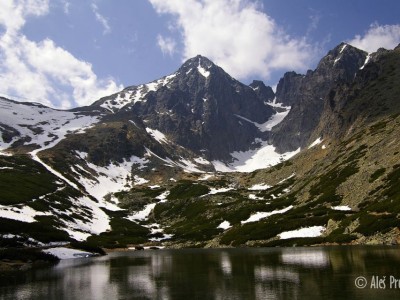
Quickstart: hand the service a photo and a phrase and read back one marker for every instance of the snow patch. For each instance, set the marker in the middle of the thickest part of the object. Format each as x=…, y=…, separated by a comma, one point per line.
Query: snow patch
x=67, y=253
x=342, y=208
x=262, y=215
x=259, y=187
x=206, y=177
x=272, y=121
x=156, y=229
x=214, y=191
x=97, y=223
x=254, y=197
x=139, y=180
x=163, y=196
x=112, y=178
x=315, y=143
x=157, y=135
x=366, y=61
x=40, y=125
x=142, y=215
x=342, y=49
x=153, y=187
x=203, y=71
x=224, y=225
x=287, y=178
x=188, y=166
x=23, y=214
x=251, y=160
x=202, y=161
x=313, y=231
x=184, y=164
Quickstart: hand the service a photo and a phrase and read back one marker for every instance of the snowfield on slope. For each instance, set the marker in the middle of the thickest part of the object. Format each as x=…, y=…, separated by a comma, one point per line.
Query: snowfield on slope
x=251, y=160
x=265, y=155
x=41, y=125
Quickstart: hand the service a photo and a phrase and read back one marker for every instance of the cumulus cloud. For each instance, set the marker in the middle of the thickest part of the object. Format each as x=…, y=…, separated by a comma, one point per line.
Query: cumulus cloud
x=42, y=71
x=236, y=35
x=377, y=36
x=166, y=44
x=101, y=19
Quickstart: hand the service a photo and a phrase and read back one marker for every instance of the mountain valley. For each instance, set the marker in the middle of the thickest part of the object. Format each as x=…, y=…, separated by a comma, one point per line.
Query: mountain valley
x=199, y=159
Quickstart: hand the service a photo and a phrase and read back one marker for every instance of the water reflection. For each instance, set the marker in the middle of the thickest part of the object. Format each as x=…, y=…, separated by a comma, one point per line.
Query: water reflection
x=306, y=257
x=288, y=273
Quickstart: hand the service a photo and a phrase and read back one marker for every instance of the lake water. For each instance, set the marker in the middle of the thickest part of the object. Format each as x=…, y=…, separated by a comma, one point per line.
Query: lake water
x=263, y=273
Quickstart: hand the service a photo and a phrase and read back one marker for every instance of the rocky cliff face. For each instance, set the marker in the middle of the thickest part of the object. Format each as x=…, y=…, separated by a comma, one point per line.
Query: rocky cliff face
x=196, y=107
x=265, y=93
x=368, y=97
x=306, y=94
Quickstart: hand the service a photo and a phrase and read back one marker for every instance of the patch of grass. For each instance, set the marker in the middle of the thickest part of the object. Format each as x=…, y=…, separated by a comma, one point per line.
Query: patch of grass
x=392, y=185
x=43, y=230
x=123, y=233
x=26, y=181
x=186, y=189
x=378, y=127
x=371, y=224
x=378, y=173
x=340, y=238
x=269, y=228
x=328, y=183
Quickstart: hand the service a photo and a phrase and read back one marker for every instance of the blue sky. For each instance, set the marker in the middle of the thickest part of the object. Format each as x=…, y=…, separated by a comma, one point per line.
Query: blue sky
x=68, y=53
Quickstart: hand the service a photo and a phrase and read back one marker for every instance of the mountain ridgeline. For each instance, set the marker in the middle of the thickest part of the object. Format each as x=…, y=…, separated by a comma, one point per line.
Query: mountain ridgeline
x=154, y=163
x=197, y=107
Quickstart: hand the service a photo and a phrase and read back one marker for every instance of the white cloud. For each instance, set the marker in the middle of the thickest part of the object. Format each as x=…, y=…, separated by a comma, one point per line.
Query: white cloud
x=236, y=35
x=42, y=71
x=101, y=19
x=66, y=5
x=13, y=13
x=167, y=45
x=377, y=36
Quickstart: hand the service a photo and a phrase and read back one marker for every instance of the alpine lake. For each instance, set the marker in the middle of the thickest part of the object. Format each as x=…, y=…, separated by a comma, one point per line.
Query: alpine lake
x=337, y=272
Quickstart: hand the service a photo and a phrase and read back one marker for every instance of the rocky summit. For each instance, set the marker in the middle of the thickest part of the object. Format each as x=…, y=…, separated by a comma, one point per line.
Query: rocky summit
x=199, y=159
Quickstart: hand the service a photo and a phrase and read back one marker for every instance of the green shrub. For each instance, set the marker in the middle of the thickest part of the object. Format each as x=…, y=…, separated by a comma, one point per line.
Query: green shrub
x=378, y=173
x=186, y=189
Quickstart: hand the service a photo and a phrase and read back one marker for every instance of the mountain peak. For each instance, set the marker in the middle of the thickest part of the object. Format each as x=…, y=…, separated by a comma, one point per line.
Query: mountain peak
x=343, y=54
x=265, y=93
x=202, y=64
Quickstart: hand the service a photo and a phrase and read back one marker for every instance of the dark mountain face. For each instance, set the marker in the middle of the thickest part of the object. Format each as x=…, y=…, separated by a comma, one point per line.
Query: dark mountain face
x=265, y=93
x=372, y=94
x=197, y=107
x=306, y=95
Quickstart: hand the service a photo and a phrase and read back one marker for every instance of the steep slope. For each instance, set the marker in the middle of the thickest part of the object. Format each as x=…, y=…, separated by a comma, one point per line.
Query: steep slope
x=370, y=96
x=306, y=95
x=196, y=107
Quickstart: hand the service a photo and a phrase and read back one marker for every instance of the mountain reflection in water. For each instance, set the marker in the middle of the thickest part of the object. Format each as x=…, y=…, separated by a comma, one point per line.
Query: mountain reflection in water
x=264, y=273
